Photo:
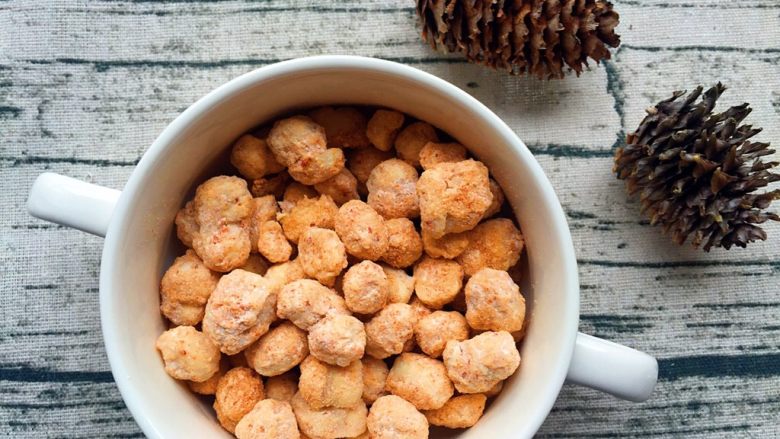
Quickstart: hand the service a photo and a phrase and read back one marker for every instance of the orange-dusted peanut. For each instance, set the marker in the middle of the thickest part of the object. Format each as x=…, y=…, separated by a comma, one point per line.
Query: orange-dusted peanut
x=433, y=331
x=237, y=393
x=434, y=153
x=337, y=339
x=280, y=275
x=493, y=301
x=331, y=422
x=421, y=380
x=308, y=212
x=366, y=288
x=186, y=225
x=437, y=281
x=342, y=187
x=188, y=354
x=496, y=243
x=278, y=351
x=389, y=330
x=282, y=387
x=461, y=411
x=322, y=254
x=495, y=390
x=449, y=246
x=255, y=264
x=324, y=385
x=209, y=387
x=300, y=144
x=453, y=197
x=252, y=158
x=374, y=379
x=272, y=243
x=392, y=417
x=498, y=200
x=345, y=127
x=269, y=419
x=270, y=185
x=392, y=189
x=478, y=364
x=401, y=285
x=185, y=288
x=362, y=230
x=239, y=311
x=264, y=209
x=362, y=161
x=410, y=141
x=295, y=192
x=404, y=243
x=223, y=206
x=383, y=128
x=305, y=302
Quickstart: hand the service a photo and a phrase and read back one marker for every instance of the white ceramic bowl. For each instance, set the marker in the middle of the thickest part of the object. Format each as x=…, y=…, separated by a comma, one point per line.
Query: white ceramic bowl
x=140, y=239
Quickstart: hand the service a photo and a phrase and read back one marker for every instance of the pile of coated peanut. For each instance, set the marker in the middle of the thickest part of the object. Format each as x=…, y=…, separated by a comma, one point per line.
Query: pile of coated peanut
x=357, y=280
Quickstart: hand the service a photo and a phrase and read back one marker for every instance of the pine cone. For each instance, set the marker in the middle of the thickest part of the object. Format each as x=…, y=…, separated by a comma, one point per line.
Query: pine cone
x=522, y=36
x=696, y=172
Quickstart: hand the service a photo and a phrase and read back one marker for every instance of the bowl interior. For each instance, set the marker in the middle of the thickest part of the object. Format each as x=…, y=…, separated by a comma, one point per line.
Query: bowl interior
x=141, y=241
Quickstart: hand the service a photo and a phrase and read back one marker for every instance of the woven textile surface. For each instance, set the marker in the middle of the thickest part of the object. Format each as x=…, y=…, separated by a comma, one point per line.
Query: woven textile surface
x=85, y=87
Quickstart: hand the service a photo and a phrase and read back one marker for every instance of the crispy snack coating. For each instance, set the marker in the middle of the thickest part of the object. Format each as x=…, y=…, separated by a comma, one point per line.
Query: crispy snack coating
x=188, y=354
x=362, y=161
x=222, y=207
x=300, y=144
x=209, y=387
x=389, y=330
x=329, y=423
x=308, y=212
x=383, y=128
x=324, y=385
x=411, y=140
x=278, y=351
x=421, y=380
x=255, y=264
x=392, y=189
x=269, y=419
x=453, y=197
x=392, y=417
x=478, y=364
x=494, y=302
x=185, y=288
x=401, y=285
x=345, y=127
x=437, y=281
x=433, y=331
x=264, y=209
x=434, y=153
x=282, y=387
x=252, y=158
x=365, y=287
x=305, y=302
x=461, y=411
x=295, y=192
x=270, y=185
x=272, y=243
x=237, y=393
x=186, y=225
x=362, y=230
x=497, y=202
x=342, y=187
x=280, y=275
x=338, y=339
x=495, y=390
x=374, y=379
x=322, y=254
x=404, y=243
x=495, y=243
x=239, y=311
x=449, y=246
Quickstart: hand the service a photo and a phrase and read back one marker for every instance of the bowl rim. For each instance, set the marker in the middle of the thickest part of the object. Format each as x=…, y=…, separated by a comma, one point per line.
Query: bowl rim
x=570, y=315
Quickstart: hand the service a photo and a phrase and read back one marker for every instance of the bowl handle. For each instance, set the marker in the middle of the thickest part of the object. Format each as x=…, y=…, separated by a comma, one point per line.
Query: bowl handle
x=612, y=368
x=73, y=203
